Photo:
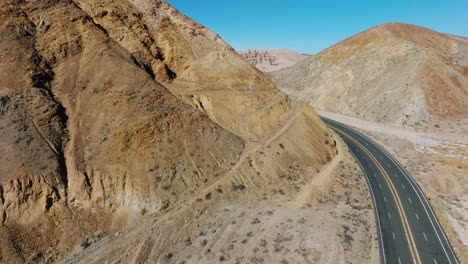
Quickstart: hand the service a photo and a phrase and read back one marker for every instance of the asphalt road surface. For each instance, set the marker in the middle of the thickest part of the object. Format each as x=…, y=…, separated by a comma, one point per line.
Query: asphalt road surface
x=408, y=229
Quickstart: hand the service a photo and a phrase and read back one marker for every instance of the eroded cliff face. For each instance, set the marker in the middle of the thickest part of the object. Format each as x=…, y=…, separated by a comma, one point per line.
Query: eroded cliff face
x=111, y=111
x=272, y=60
x=260, y=56
x=85, y=125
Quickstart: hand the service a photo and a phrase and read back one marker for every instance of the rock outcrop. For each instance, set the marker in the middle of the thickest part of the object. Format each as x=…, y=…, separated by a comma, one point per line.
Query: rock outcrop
x=260, y=56
x=272, y=60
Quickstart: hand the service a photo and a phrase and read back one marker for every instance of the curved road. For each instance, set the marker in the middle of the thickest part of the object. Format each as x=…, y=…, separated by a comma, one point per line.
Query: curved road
x=408, y=230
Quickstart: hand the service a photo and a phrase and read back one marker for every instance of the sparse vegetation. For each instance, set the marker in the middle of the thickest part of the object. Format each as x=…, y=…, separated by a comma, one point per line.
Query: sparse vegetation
x=143, y=211
x=238, y=187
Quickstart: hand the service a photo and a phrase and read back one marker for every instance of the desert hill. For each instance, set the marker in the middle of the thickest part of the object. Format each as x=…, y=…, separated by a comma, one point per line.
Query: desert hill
x=131, y=133
x=394, y=73
x=272, y=60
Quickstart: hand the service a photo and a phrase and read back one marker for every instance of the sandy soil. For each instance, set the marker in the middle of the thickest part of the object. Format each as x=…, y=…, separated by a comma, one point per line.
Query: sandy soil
x=438, y=162
x=330, y=224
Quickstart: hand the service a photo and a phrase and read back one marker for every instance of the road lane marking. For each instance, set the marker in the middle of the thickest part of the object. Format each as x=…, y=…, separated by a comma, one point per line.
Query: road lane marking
x=413, y=183
x=410, y=200
x=407, y=229
x=376, y=211
x=399, y=260
x=435, y=261
x=418, y=192
x=417, y=216
x=380, y=186
x=389, y=216
x=394, y=236
x=425, y=237
x=403, y=186
x=385, y=199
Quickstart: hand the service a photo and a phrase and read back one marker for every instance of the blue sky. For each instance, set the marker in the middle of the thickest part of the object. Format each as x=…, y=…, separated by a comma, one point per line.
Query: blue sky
x=309, y=26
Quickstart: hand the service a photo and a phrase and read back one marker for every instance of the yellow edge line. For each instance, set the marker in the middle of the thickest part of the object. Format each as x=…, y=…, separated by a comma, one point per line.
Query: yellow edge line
x=406, y=226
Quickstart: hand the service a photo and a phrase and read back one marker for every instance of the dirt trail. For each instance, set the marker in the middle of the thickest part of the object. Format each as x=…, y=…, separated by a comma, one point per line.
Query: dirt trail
x=322, y=179
x=252, y=147
x=180, y=91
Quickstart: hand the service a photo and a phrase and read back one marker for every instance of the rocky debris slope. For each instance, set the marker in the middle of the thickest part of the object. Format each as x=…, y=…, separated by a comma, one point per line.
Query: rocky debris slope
x=272, y=60
x=394, y=73
x=122, y=113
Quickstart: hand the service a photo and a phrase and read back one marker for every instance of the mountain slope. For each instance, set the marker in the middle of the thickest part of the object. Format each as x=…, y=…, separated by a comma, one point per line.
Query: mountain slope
x=393, y=73
x=85, y=137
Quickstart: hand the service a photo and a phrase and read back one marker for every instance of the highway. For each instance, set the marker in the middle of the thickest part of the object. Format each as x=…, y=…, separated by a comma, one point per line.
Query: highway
x=408, y=230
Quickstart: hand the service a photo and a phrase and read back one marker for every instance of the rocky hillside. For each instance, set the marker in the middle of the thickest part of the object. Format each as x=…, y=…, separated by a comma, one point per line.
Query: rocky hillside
x=128, y=131
x=394, y=73
x=272, y=60
x=81, y=134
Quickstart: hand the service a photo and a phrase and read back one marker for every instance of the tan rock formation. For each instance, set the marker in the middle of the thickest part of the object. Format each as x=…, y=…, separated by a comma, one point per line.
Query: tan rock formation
x=272, y=60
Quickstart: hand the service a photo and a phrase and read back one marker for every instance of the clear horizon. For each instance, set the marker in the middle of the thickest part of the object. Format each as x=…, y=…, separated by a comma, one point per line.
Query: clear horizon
x=309, y=26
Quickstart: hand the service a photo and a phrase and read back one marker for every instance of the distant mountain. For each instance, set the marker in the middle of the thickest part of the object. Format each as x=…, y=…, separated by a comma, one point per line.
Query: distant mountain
x=272, y=60
x=393, y=73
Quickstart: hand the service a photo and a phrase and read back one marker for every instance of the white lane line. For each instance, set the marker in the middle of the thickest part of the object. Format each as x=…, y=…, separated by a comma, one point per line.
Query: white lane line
x=410, y=200
x=396, y=175
x=399, y=260
x=394, y=236
x=417, y=216
x=425, y=237
x=389, y=216
x=375, y=210
x=403, y=186
x=419, y=194
x=380, y=186
x=435, y=261
x=385, y=199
